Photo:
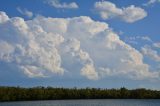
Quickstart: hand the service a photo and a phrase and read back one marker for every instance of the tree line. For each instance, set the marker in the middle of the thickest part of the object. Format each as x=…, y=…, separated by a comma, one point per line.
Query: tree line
x=50, y=93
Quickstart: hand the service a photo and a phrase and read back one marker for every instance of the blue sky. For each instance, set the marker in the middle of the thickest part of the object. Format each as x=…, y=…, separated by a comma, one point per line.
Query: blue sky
x=91, y=43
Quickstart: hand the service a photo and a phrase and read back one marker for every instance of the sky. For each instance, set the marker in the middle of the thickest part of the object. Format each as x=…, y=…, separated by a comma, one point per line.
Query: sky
x=80, y=43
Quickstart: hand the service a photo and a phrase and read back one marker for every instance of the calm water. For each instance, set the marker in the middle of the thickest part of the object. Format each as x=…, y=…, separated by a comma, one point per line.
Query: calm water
x=108, y=102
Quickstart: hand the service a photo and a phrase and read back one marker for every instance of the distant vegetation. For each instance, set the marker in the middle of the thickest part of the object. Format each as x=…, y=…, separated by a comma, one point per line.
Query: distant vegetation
x=49, y=93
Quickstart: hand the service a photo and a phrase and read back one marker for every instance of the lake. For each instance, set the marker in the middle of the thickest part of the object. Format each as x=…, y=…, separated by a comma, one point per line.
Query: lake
x=105, y=102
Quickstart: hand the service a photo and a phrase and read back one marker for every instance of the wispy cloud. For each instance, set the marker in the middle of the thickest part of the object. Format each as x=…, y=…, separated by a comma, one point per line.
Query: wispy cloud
x=151, y=2
x=64, y=5
x=153, y=54
x=157, y=44
x=25, y=12
x=136, y=39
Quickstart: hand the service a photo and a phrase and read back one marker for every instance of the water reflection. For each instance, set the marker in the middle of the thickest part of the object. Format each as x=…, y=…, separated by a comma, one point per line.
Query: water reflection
x=107, y=102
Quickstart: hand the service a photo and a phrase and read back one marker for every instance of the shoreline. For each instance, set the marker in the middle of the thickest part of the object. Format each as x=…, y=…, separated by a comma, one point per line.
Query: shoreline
x=51, y=93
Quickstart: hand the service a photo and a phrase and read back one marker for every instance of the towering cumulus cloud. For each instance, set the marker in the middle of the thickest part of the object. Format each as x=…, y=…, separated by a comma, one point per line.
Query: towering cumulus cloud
x=49, y=46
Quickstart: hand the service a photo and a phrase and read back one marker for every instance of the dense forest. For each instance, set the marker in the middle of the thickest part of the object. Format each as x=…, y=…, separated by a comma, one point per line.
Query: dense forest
x=49, y=93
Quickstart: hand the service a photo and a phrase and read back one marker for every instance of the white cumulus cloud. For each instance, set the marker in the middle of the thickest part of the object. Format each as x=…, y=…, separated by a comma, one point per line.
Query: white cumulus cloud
x=43, y=47
x=3, y=17
x=130, y=14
